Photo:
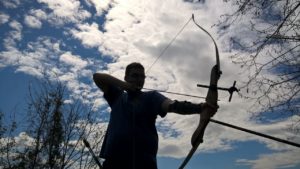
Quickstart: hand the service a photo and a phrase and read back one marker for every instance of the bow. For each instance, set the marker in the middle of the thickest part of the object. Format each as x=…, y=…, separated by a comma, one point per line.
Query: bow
x=211, y=99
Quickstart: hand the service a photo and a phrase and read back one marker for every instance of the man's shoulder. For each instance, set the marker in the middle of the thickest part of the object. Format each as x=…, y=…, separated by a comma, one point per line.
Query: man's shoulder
x=112, y=94
x=153, y=95
x=150, y=93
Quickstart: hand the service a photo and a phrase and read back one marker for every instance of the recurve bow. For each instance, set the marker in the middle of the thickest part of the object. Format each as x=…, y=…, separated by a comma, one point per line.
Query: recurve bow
x=211, y=98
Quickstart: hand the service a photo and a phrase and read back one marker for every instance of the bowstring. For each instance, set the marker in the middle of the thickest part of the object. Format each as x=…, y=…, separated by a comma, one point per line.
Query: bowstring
x=164, y=50
x=169, y=44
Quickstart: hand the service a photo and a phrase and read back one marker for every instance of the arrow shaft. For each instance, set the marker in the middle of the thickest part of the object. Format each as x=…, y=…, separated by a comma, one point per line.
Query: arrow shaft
x=87, y=144
x=256, y=133
x=175, y=93
x=206, y=86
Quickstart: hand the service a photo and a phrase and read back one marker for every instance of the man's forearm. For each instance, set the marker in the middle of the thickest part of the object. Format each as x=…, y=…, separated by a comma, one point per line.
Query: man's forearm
x=102, y=80
x=185, y=108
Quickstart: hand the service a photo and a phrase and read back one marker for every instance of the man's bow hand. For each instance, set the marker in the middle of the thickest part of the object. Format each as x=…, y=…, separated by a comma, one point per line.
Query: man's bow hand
x=212, y=109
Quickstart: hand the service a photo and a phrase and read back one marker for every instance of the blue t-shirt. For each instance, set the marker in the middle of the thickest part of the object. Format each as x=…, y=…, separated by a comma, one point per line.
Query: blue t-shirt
x=131, y=133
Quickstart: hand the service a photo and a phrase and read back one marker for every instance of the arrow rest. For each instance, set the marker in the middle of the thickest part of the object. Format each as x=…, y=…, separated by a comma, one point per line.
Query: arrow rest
x=231, y=90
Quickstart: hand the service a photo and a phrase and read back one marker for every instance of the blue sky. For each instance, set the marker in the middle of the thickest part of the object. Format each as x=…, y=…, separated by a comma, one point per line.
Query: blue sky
x=72, y=39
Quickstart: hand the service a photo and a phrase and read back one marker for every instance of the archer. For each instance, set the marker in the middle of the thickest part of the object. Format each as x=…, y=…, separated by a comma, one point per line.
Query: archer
x=131, y=141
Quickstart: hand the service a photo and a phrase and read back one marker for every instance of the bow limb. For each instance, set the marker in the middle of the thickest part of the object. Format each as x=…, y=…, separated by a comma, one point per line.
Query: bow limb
x=215, y=44
x=211, y=99
x=212, y=95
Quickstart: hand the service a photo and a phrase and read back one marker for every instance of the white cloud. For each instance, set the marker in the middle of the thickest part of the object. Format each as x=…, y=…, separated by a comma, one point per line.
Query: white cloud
x=10, y=3
x=100, y=6
x=32, y=22
x=16, y=25
x=38, y=13
x=285, y=159
x=44, y=57
x=65, y=11
x=13, y=36
x=35, y=17
x=90, y=35
x=73, y=60
x=3, y=18
x=31, y=60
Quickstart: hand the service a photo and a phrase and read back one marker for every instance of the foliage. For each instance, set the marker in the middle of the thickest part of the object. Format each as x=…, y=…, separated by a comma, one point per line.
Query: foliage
x=270, y=53
x=55, y=132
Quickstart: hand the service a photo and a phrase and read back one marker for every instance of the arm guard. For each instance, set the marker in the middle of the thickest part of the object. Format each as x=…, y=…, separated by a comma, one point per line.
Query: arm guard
x=185, y=107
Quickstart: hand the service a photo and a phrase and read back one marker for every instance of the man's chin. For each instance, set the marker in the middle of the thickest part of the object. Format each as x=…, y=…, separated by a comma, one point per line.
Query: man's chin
x=139, y=87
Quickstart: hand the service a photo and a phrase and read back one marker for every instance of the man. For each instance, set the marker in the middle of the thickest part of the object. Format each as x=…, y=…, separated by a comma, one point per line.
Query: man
x=131, y=141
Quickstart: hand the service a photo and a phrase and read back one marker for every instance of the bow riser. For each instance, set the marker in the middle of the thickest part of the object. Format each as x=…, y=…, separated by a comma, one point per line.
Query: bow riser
x=211, y=98
x=206, y=114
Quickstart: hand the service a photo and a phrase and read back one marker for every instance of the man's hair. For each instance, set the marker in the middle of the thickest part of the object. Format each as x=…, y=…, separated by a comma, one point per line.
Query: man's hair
x=133, y=65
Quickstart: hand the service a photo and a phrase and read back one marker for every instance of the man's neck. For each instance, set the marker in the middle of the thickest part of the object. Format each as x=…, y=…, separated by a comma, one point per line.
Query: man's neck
x=133, y=96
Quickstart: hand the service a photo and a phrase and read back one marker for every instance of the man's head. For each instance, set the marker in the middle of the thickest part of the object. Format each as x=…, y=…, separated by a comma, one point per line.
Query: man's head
x=135, y=74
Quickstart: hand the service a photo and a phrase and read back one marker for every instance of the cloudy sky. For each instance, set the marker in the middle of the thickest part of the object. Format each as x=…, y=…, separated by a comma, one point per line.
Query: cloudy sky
x=72, y=39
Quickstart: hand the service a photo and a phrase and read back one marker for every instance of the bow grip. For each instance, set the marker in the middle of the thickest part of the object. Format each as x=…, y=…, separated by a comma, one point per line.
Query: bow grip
x=206, y=114
x=197, y=136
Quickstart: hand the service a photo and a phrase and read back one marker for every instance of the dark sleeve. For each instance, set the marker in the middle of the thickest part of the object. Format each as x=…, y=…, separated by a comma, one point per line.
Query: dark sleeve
x=157, y=100
x=112, y=94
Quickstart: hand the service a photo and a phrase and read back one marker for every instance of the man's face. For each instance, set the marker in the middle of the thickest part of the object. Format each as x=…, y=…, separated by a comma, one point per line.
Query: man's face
x=136, y=77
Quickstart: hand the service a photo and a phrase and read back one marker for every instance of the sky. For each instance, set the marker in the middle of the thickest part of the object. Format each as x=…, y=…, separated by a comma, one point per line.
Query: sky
x=70, y=40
